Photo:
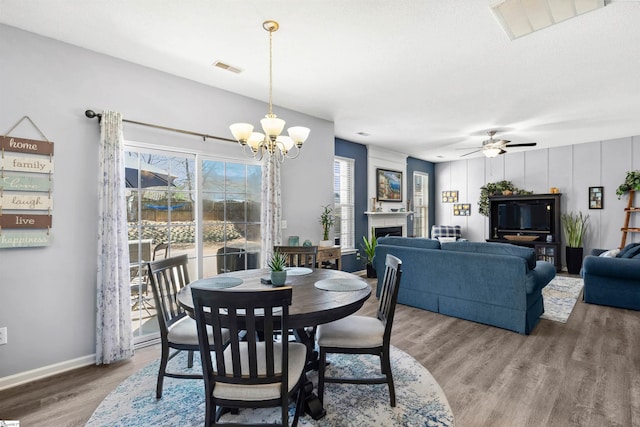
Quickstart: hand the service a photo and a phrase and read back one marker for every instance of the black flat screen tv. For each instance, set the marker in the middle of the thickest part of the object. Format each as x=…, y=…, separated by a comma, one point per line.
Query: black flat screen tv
x=525, y=215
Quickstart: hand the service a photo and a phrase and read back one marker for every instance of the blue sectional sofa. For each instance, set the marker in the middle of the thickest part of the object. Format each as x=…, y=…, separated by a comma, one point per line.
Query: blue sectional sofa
x=613, y=280
x=493, y=283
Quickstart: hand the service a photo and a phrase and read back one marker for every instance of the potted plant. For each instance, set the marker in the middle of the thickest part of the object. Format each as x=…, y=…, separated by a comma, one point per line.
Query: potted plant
x=575, y=228
x=277, y=263
x=327, y=219
x=631, y=182
x=369, y=247
x=495, y=188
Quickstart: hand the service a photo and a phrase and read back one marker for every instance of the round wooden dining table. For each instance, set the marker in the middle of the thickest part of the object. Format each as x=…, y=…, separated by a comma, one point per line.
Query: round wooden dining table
x=311, y=305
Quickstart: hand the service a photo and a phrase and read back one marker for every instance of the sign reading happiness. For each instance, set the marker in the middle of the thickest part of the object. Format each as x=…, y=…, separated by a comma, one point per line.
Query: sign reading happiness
x=26, y=182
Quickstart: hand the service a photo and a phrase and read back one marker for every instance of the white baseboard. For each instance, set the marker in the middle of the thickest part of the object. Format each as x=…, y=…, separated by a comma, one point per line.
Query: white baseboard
x=46, y=371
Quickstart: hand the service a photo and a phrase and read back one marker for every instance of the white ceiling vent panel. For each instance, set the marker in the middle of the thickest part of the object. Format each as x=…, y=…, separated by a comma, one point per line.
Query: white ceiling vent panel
x=521, y=17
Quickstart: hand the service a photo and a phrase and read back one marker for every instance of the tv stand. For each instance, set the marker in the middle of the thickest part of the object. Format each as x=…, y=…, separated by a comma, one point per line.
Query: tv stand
x=547, y=244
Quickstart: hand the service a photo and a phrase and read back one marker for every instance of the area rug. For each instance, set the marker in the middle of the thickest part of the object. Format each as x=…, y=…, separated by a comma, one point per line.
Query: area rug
x=420, y=400
x=560, y=297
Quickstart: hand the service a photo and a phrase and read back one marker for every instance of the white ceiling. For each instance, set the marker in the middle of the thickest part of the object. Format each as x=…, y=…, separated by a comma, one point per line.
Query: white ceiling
x=423, y=77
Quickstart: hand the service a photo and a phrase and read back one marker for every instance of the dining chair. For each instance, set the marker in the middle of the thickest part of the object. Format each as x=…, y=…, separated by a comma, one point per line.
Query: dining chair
x=299, y=256
x=177, y=330
x=364, y=335
x=248, y=373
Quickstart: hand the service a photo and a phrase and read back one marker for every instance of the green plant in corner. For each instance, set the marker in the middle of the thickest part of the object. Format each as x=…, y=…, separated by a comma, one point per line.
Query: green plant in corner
x=631, y=182
x=327, y=219
x=491, y=188
x=575, y=228
x=369, y=246
x=278, y=261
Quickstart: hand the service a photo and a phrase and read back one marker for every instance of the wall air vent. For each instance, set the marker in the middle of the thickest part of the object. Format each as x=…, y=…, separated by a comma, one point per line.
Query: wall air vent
x=521, y=17
x=227, y=67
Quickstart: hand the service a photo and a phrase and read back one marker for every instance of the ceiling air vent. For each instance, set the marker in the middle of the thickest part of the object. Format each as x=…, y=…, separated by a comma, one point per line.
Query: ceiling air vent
x=521, y=17
x=227, y=67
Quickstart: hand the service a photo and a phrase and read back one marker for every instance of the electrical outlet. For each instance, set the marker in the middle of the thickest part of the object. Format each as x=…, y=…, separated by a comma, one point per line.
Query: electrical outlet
x=283, y=224
x=3, y=335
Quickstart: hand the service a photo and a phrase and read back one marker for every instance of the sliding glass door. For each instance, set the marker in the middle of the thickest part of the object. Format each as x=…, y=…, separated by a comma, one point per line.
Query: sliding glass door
x=184, y=203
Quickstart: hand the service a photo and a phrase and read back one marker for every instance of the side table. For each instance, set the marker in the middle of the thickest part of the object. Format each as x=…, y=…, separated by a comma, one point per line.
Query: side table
x=329, y=253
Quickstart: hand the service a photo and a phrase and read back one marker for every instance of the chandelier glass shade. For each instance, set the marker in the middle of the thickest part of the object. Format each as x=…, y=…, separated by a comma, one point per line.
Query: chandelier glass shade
x=270, y=143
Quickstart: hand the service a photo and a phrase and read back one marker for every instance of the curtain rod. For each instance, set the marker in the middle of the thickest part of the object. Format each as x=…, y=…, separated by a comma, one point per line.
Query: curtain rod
x=92, y=114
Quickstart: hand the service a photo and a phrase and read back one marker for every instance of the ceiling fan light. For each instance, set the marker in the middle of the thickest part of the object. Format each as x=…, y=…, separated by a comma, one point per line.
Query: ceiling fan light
x=491, y=152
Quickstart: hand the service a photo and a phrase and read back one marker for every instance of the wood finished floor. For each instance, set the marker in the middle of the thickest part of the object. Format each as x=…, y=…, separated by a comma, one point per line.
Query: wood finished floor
x=582, y=373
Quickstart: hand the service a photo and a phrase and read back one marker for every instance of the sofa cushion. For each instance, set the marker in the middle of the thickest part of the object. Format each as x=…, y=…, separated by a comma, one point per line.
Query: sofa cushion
x=528, y=254
x=413, y=242
x=630, y=251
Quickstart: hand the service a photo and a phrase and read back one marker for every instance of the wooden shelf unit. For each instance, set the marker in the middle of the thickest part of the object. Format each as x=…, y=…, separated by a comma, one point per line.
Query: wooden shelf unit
x=628, y=211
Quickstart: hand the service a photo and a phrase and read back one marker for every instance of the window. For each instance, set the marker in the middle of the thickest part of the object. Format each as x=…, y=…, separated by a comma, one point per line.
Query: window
x=344, y=205
x=420, y=204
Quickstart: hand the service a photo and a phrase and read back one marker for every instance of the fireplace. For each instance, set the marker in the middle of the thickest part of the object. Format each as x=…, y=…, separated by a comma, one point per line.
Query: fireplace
x=387, y=231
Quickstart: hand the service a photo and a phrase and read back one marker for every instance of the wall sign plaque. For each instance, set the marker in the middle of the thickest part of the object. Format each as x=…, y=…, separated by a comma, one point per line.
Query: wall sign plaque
x=26, y=164
x=26, y=172
x=25, y=202
x=23, y=145
x=25, y=221
x=24, y=239
x=25, y=183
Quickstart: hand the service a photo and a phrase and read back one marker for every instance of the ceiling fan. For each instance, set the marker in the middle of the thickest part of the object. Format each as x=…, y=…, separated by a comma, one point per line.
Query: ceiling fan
x=494, y=147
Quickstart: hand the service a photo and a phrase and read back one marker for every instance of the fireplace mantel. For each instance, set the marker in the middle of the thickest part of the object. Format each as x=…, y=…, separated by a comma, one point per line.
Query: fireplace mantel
x=388, y=213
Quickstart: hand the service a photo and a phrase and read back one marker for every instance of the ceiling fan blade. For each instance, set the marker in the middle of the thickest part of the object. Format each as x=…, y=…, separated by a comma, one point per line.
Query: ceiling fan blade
x=469, y=148
x=502, y=151
x=525, y=144
x=471, y=152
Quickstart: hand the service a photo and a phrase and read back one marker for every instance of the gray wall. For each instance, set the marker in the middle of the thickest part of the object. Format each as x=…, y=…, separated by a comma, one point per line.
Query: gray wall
x=47, y=295
x=573, y=169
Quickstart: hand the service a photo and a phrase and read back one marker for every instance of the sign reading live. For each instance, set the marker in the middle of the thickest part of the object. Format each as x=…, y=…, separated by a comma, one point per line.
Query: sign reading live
x=22, y=145
x=25, y=221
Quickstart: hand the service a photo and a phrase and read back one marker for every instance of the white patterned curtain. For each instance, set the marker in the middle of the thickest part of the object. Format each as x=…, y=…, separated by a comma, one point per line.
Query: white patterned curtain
x=271, y=207
x=114, y=336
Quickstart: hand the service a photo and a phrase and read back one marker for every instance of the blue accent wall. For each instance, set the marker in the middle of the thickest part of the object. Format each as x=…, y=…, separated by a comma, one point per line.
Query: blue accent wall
x=417, y=165
x=358, y=153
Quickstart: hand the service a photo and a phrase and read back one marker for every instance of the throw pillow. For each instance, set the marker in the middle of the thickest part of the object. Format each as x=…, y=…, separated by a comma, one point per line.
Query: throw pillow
x=610, y=253
x=632, y=252
x=447, y=239
x=629, y=247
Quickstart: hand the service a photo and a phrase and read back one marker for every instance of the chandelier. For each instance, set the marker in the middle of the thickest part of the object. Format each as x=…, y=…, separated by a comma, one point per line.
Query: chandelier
x=271, y=143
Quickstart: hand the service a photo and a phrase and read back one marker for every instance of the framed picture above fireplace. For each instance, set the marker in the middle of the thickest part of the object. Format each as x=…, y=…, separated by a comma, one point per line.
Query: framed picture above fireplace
x=388, y=185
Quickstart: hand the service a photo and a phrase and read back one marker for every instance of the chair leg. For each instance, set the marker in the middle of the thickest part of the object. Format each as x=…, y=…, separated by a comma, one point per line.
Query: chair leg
x=164, y=358
x=322, y=363
x=190, y=359
x=385, y=363
x=299, y=403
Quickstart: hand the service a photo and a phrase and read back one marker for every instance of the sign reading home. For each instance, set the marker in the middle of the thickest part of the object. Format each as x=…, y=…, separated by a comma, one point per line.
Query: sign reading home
x=22, y=145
